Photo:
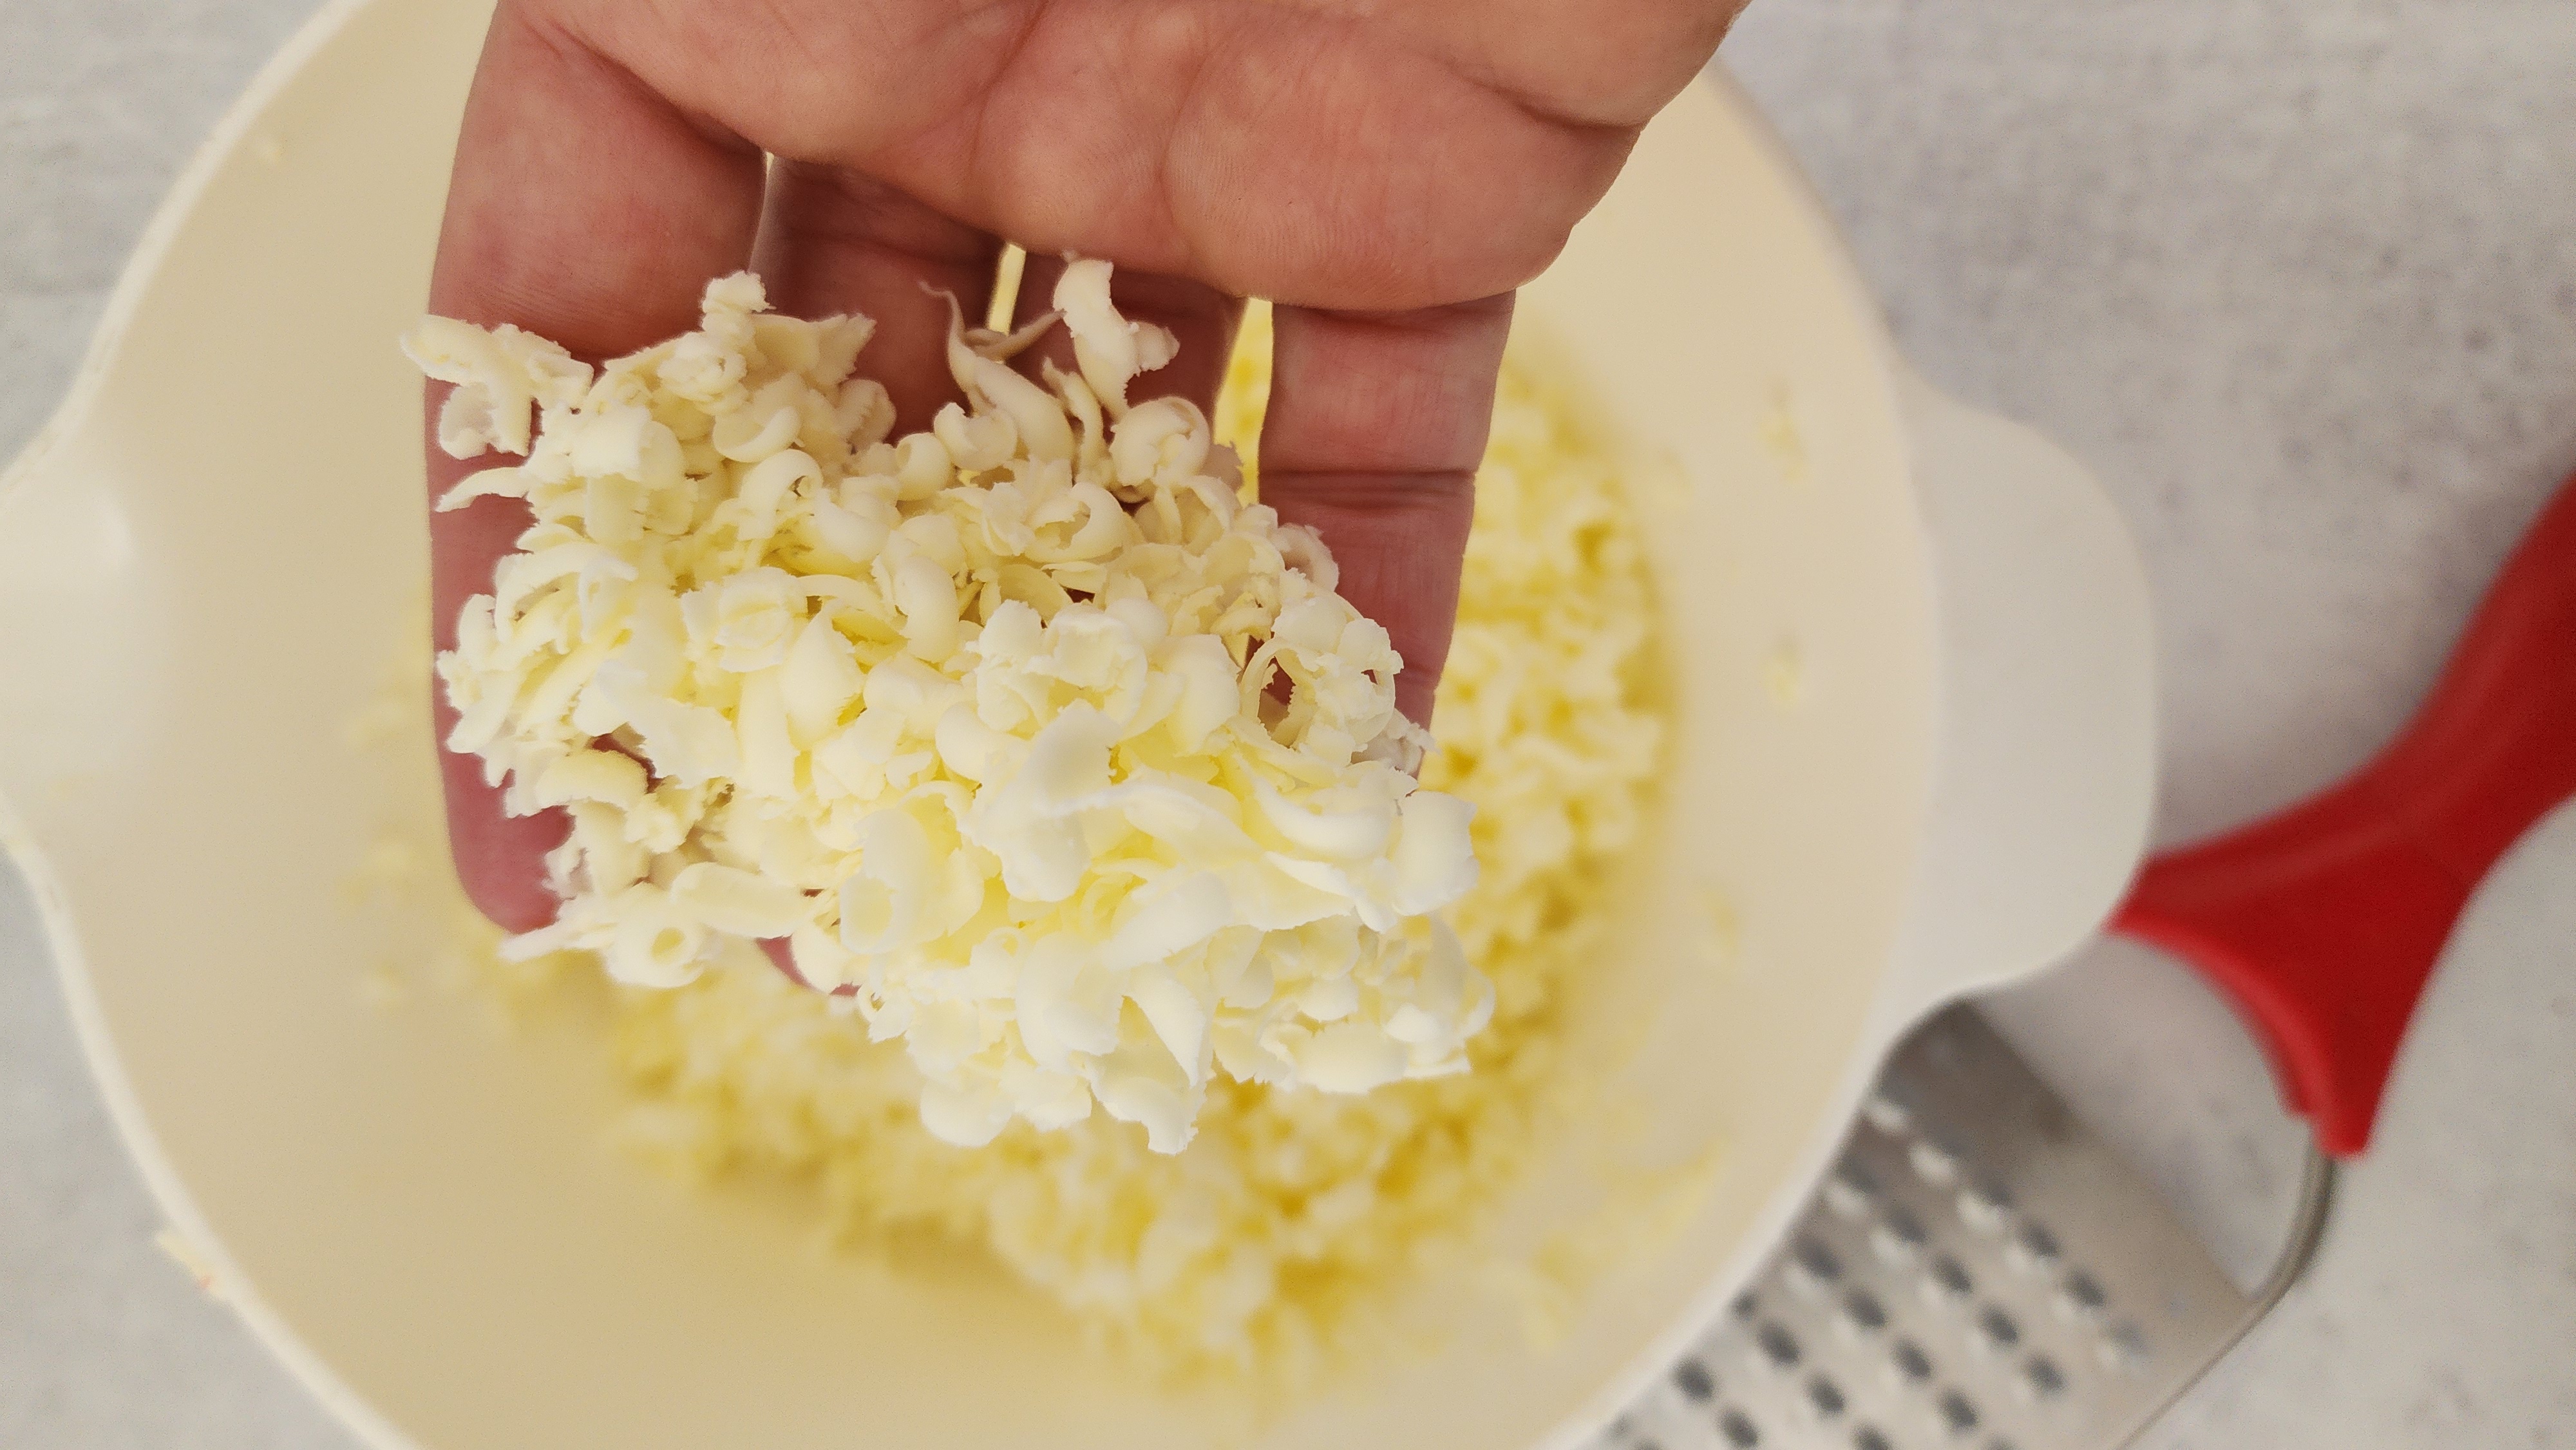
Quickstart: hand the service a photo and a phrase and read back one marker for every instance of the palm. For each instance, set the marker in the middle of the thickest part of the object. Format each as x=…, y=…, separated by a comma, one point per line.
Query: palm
x=1388, y=170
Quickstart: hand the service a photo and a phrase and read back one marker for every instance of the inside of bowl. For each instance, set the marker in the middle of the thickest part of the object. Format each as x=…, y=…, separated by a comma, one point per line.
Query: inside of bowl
x=1709, y=314
x=223, y=558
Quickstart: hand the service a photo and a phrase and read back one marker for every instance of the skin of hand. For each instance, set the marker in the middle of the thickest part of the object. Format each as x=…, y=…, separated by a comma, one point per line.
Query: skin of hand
x=1386, y=170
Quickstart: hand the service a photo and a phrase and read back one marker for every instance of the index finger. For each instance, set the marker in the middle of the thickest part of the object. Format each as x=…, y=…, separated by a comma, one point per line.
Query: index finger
x=1376, y=424
x=586, y=209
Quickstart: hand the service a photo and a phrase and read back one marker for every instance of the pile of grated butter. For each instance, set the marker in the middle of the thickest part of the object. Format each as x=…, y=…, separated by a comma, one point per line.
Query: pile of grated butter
x=1027, y=730
x=1276, y=1243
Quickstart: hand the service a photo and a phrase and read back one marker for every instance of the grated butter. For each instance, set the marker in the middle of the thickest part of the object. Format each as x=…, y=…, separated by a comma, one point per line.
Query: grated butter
x=1276, y=1242
x=1025, y=730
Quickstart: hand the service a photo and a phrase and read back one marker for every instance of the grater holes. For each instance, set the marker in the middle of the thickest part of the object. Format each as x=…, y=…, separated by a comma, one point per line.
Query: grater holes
x=1996, y=1330
x=2080, y=1297
x=1694, y=1381
x=2124, y=1348
x=1737, y=1430
x=1813, y=1267
x=1851, y=1191
x=1946, y=1281
x=1886, y=1114
x=2041, y=1379
x=1986, y=1206
x=1900, y=1235
x=1910, y=1364
x=1933, y=1161
x=1826, y=1398
x=1862, y=1311
x=2032, y=1248
x=1745, y=1306
x=1956, y=1413
x=1778, y=1346
x=1867, y=1437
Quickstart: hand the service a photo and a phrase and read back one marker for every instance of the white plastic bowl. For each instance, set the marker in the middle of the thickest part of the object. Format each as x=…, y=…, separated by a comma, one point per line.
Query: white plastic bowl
x=211, y=558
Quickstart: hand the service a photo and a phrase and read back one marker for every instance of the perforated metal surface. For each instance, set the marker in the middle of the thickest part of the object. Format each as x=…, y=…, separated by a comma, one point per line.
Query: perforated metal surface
x=1978, y=1271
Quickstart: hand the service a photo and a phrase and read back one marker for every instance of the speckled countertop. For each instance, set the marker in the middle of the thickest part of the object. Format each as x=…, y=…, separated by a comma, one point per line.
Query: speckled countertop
x=2298, y=279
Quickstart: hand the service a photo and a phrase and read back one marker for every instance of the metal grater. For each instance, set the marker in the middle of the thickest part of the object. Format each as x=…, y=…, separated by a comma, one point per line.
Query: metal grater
x=1978, y=1271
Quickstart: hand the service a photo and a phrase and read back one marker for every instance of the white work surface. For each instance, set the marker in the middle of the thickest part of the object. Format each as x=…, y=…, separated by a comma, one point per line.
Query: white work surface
x=2298, y=278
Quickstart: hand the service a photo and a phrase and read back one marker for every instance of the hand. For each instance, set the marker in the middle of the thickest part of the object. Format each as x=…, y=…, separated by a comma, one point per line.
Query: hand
x=1387, y=172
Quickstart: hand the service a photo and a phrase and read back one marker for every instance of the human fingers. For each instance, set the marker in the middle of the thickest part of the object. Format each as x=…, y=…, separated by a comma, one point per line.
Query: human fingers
x=1578, y=62
x=586, y=209
x=1376, y=424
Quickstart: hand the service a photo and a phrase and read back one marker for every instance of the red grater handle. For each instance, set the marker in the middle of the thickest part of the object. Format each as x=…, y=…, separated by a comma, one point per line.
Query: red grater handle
x=2324, y=921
